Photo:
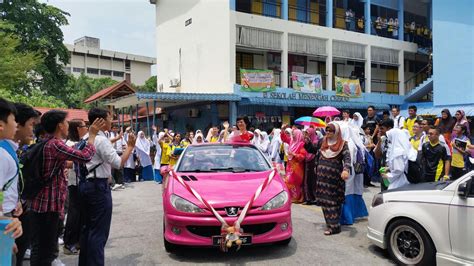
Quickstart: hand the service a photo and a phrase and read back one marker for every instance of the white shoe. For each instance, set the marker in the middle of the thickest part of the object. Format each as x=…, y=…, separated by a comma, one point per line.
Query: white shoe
x=27, y=254
x=60, y=241
x=122, y=186
x=115, y=187
x=57, y=262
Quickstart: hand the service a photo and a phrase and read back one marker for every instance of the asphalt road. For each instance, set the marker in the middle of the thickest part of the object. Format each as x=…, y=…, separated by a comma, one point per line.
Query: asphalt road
x=136, y=238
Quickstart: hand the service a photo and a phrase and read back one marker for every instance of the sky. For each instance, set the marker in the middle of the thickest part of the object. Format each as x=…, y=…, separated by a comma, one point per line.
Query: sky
x=121, y=25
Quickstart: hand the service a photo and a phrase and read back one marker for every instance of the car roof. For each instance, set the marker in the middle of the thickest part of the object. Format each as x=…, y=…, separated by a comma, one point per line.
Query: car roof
x=244, y=144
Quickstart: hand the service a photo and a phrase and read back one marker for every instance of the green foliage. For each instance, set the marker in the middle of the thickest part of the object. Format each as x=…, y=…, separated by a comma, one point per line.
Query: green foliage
x=149, y=86
x=37, y=26
x=83, y=87
x=16, y=67
x=36, y=98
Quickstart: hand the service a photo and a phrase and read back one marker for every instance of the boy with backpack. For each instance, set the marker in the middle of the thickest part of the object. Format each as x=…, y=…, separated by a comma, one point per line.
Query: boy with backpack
x=46, y=189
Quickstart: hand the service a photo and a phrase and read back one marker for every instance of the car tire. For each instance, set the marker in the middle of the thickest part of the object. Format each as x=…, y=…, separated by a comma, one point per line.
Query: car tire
x=169, y=247
x=285, y=242
x=409, y=244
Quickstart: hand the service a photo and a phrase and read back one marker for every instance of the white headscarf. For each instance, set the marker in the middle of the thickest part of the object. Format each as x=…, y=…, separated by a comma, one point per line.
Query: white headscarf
x=198, y=134
x=264, y=142
x=359, y=121
x=354, y=142
x=256, y=139
x=275, y=144
x=399, y=145
x=142, y=143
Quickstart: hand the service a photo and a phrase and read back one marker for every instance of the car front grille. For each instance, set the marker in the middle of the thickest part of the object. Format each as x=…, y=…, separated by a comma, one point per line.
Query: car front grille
x=208, y=231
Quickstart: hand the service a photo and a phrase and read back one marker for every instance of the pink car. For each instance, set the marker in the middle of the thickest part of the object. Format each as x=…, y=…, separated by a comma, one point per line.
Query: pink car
x=227, y=176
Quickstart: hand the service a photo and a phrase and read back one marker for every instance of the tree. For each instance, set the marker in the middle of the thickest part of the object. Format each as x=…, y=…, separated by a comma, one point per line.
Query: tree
x=36, y=98
x=149, y=86
x=83, y=87
x=37, y=26
x=16, y=68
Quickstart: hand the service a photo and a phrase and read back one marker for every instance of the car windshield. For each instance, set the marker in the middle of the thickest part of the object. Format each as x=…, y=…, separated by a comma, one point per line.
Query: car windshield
x=222, y=158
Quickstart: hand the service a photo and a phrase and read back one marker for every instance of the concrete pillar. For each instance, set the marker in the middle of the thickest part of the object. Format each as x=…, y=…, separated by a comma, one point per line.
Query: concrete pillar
x=367, y=15
x=284, y=9
x=232, y=113
x=329, y=74
x=401, y=20
x=232, y=4
x=284, y=61
x=368, y=69
x=329, y=17
x=401, y=72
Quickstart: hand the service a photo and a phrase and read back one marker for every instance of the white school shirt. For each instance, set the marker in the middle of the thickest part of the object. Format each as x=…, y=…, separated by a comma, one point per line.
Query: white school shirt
x=8, y=169
x=398, y=121
x=105, y=154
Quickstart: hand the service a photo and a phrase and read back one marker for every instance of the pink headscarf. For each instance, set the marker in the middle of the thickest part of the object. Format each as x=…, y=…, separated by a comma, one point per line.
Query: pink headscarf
x=297, y=141
x=314, y=139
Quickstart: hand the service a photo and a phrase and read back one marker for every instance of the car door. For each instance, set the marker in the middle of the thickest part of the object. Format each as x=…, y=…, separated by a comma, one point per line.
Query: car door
x=461, y=222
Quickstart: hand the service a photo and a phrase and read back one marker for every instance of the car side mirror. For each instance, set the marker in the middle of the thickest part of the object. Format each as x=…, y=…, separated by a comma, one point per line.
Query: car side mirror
x=464, y=189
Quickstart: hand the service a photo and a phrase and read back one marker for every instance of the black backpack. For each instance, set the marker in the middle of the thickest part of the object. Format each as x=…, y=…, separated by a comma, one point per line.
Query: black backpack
x=32, y=171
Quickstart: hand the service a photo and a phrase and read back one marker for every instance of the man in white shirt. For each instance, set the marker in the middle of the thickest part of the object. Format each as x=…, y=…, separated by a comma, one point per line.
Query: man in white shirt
x=97, y=198
x=398, y=120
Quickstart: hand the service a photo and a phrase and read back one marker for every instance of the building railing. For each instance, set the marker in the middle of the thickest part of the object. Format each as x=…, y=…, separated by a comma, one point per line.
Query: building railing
x=418, y=78
x=385, y=86
x=349, y=23
x=307, y=15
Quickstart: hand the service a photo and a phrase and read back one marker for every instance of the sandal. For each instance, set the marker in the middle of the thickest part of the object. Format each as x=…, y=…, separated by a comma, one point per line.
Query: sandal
x=329, y=232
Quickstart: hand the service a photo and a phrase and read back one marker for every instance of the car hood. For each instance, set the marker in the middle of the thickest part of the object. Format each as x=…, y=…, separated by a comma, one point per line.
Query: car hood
x=225, y=189
x=421, y=187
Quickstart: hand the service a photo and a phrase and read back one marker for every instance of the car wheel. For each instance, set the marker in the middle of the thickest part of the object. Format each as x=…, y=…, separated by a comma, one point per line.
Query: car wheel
x=410, y=244
x=285, y=242
x=169, y=247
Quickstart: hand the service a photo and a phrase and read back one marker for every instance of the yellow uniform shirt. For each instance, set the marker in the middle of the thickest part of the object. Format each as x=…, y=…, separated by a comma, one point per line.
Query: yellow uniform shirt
x=458, y=158
x=408, y=125
x=165, y=153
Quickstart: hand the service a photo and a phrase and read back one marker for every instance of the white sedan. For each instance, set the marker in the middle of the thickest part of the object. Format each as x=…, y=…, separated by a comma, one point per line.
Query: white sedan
x=426, y=223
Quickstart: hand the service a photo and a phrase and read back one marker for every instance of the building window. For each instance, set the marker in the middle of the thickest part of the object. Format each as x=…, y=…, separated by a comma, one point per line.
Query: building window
x=78, y=70
x=105, y=58
x=127, y=65
x=92, y=56
x=67, y=70
x=106, y=72
x=243, y=60
x=118, y=60
x=78, y=54
x=92, y=71
x=118, y=74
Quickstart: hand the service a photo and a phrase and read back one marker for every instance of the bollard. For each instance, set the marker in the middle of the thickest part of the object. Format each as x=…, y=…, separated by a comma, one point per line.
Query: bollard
x=6, y=245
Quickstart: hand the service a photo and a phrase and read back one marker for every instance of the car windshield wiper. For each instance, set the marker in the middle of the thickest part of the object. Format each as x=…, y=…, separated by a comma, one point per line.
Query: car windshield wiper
x=197, y=171
x=236, y=169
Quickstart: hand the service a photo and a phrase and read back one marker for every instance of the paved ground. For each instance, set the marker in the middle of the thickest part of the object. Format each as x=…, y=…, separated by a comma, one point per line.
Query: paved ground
x=136, y=238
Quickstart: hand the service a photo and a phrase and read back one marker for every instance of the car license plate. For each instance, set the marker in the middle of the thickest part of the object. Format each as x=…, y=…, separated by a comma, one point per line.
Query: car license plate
x=246, y=240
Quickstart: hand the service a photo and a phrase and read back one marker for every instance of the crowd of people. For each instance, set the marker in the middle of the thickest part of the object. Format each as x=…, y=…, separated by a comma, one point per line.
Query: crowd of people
x=81, y=164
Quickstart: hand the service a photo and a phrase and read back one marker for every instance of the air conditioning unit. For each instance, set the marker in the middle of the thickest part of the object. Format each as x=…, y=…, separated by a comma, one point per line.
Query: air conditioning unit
x=193, y=112
x=174, y=83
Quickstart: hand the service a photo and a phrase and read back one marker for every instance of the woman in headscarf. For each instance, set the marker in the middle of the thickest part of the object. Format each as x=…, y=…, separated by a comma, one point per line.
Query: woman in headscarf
x=264, y=142
x=275, y=146
x=295, y=166
x=309, y=174
x=398, y=153
x=354, y=205
x=198, y=139
x=142, y=147
x=333, y=166
x=256, y=140
x=446, y=125
x=461, y=120
x=357, y=120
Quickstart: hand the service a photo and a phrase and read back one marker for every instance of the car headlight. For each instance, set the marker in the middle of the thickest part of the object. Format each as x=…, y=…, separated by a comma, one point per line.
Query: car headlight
x=276, y=202
x=183, y=205
x=377, y=200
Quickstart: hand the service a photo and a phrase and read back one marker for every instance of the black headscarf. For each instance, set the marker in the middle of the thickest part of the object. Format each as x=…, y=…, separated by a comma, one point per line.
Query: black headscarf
x=446, y=125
